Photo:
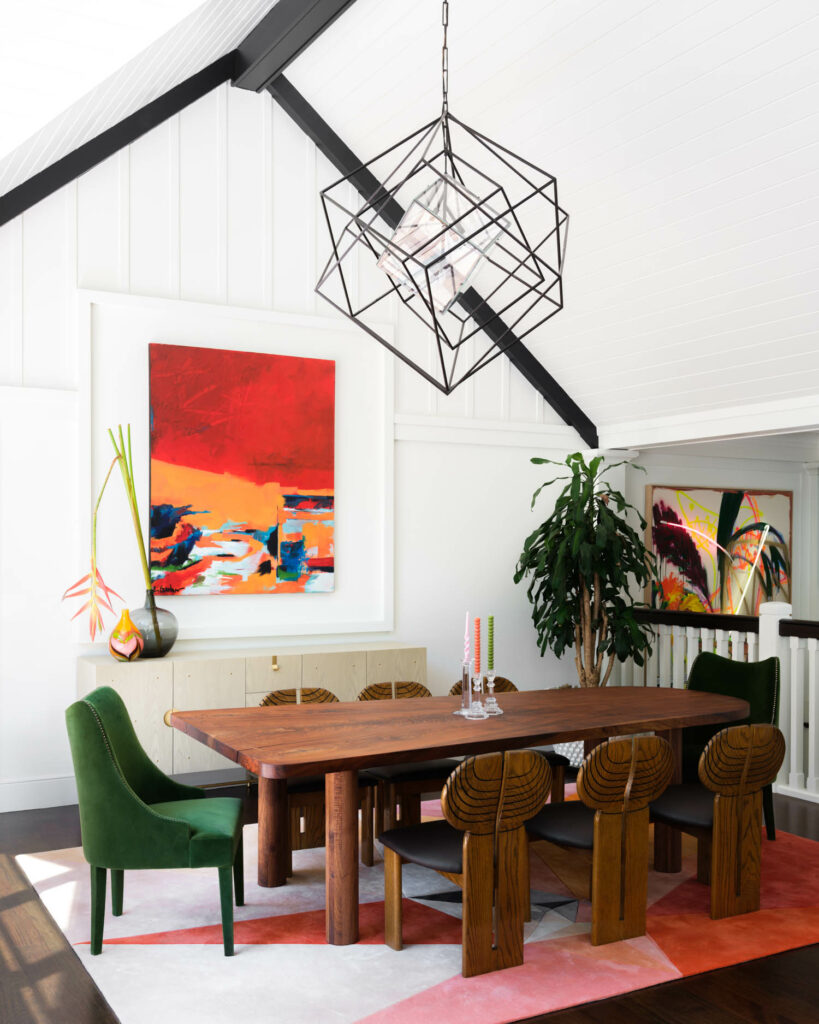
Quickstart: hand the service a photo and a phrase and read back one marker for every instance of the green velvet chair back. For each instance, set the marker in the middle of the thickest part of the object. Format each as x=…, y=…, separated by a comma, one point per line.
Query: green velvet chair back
x=757, y=682
x=116, y=781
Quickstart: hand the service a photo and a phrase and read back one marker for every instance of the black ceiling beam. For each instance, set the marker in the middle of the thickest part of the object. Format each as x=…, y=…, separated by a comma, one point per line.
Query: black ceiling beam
x=349, y=166
x=93, y=152
x=282, y=34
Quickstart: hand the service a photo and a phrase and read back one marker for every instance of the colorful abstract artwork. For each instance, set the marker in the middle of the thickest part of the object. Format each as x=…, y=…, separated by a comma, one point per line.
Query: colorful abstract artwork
x=242, y=472
x=719, y=550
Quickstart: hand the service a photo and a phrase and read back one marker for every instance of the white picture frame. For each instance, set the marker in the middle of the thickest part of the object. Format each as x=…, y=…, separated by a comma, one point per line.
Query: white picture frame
x=113, y=333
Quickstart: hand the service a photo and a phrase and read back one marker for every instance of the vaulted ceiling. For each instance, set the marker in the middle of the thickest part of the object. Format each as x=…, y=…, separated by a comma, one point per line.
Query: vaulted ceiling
x=684, y=141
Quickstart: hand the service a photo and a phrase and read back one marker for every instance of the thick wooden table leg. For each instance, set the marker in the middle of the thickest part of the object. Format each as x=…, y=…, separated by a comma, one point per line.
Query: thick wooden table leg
x=667, y=840
x=274, y=832
x=341, y=798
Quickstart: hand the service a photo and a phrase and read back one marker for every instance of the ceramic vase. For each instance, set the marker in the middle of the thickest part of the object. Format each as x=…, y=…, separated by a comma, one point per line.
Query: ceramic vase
x=157, y=625
x=125, y=642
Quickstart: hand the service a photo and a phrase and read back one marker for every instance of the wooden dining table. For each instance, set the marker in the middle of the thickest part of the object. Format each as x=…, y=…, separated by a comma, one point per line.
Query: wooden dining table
x=288, y=742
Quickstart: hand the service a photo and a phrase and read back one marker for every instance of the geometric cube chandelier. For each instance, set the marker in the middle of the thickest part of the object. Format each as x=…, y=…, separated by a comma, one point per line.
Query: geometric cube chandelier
x=466, y=234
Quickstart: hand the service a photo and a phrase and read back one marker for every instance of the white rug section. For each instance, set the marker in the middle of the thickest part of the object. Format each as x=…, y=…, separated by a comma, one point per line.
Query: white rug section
x=158, y=901
x=263, y=984
x=260, y=984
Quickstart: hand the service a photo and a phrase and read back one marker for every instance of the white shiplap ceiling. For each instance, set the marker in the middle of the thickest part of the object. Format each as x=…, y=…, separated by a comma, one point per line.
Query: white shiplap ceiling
x=52, y=52
x=69, y=69
x=685, y=141
x=684, y=137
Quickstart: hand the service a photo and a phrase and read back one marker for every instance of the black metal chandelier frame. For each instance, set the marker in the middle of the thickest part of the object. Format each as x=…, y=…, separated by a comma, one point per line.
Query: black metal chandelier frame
x=530, y=276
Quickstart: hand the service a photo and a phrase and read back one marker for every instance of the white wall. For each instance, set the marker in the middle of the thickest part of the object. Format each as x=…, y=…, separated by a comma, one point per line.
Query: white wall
x=219, y=205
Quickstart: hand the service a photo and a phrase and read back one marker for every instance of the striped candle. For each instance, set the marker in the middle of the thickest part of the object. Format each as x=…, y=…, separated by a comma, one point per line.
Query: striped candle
x=477, y=647
x=490, y=647
x=466, y=640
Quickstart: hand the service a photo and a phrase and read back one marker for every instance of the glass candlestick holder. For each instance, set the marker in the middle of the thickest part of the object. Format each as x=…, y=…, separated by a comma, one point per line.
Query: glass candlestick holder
x=476, y=710
x=491, y=703
x=466, y=690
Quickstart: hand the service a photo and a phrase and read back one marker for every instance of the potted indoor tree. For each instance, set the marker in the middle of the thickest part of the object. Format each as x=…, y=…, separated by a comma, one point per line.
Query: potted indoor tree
x=583, y=562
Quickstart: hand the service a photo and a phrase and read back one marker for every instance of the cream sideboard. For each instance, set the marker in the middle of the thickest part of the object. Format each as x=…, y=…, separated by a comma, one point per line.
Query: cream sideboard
x=236, y=678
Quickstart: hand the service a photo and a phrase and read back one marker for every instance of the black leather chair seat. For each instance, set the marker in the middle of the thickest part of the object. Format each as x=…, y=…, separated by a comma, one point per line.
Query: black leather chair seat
x=569, y=824
x=315, y=783
x=415, y=770
x=555, y=760
x=687, y=803
x=432, y=844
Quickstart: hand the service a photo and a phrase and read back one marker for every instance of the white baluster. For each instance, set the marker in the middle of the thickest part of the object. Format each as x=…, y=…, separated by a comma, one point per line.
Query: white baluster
x=665, y=655
x=813, y=719
x=707, y=640
x=737, y=645
x=751, y=639
x=692, y=647
x=678, y=657
x=784, y=716
x=722, y=643
x=796, y=776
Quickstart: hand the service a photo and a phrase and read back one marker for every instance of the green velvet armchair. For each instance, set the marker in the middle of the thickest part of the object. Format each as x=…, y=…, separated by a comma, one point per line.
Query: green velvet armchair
x=754, y=681
x=134, y=817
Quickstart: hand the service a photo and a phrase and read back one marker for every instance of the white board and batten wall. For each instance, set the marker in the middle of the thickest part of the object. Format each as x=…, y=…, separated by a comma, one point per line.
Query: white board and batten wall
x=214, y=214
x=217, y=208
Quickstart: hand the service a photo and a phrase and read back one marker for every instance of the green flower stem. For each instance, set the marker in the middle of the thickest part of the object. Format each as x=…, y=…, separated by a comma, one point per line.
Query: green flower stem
x=126, y=467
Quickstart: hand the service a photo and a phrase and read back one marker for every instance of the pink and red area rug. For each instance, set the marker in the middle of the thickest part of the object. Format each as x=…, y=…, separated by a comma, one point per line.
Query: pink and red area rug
x=162, y=960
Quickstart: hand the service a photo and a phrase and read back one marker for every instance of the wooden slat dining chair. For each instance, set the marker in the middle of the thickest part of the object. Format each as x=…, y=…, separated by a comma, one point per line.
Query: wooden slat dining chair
x=724, y=812
x=401, y=786
x=558, y=762
x=480, y=846
x=502, y=685
x=305, y=796
x=616, y=783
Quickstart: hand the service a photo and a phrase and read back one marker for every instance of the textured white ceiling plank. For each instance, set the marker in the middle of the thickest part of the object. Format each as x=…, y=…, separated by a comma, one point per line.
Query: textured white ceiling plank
x=208, y=33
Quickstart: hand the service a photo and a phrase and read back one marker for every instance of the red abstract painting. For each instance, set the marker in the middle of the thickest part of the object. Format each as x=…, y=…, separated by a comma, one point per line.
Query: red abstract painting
x=242, y=447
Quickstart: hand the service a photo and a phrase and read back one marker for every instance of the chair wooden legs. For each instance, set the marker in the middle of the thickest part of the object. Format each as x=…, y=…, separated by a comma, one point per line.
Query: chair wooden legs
x=226, y=900
x=367, y=852
x=768, y=810
x=379, y=813
x=393, y=907
x=239, y=873
x=117, y=883
x=558, y=790
x=619, y=876
x=736, y=848
x=493, y=935
x=526, y=885
x=97, y=908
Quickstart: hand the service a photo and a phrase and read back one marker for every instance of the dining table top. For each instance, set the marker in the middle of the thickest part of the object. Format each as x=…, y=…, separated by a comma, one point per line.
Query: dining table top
x=282, y=742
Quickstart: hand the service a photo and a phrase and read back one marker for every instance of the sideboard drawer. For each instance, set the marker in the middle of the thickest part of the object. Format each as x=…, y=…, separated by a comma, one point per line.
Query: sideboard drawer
x=402, y=665
x=198, y=685
x=266, y=672
x=343, y=673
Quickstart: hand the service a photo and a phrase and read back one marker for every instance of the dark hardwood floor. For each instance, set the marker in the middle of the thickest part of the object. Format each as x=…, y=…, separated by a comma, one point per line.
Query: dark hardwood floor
x=43, y=982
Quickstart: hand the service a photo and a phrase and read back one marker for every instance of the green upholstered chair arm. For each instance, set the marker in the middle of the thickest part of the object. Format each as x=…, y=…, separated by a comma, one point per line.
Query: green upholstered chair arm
x=118, y=829
x=756, y=682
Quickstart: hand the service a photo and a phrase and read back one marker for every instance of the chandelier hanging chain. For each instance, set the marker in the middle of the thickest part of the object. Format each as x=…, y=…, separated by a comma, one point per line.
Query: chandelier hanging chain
x=445, y=90
x=445, y=61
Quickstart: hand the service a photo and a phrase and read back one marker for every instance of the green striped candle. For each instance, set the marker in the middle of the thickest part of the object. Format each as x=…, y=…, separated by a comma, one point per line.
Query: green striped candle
x=490, y=654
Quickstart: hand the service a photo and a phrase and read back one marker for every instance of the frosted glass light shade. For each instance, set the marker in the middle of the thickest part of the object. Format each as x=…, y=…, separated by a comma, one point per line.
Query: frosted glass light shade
x=440, y=242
